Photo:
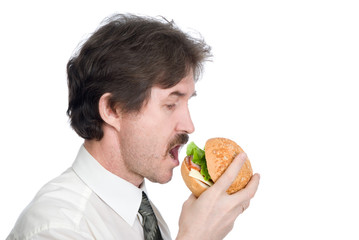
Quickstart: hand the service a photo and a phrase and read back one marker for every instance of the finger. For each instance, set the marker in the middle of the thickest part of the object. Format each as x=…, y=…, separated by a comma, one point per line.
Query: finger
x=243, y=207
x=189, y=201
x=249, y=191
x=191, y=198
x=231, y=172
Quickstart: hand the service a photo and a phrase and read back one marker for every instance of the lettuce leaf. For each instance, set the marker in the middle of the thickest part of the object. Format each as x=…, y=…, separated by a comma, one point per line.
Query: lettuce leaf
x=199, y=158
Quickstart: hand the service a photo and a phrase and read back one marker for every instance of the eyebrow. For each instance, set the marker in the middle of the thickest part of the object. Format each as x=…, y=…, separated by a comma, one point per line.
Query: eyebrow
x=181, y=94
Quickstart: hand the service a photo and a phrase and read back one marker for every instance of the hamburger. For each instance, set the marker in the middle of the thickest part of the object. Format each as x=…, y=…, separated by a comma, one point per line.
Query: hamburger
x=201, y=168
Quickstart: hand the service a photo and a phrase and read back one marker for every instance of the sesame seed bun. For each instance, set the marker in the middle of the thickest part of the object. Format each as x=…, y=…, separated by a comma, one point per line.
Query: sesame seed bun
x=219, y=153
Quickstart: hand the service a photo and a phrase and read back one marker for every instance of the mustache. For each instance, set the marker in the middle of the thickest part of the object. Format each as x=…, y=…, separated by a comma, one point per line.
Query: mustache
x=179, y=139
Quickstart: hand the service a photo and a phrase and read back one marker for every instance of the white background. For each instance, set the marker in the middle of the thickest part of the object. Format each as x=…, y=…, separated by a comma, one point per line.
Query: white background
x=283, y=84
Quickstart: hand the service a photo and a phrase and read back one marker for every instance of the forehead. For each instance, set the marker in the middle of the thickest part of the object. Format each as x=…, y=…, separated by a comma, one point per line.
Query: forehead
x=185, y=88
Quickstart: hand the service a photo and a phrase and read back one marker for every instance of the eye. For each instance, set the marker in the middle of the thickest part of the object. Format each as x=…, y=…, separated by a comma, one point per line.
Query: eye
x=170, y=106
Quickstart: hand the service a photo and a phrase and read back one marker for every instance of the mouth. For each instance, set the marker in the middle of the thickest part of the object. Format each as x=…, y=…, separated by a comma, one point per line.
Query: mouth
x=174, y=153
x=175, y=145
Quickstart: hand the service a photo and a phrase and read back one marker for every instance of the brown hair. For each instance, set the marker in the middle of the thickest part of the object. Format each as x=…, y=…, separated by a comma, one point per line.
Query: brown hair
x=125, y=57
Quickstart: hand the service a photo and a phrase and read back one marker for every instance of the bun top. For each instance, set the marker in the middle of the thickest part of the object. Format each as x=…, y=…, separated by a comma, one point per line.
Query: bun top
x=220, y=152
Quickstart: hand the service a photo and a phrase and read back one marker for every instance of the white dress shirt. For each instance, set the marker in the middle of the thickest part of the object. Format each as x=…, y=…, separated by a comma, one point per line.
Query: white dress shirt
x=85, y=202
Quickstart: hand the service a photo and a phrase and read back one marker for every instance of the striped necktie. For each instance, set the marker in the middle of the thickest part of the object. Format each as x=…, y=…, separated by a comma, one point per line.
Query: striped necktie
x=151, y=230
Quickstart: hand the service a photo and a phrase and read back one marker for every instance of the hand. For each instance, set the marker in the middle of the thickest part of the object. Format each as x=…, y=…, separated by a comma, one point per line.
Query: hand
x=212, y=215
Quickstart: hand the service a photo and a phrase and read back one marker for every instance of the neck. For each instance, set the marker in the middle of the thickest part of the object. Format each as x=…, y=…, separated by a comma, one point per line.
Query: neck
x=107, y=152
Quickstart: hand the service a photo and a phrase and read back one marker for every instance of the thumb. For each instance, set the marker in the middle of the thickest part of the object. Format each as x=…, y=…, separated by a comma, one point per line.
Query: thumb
x=231, y=172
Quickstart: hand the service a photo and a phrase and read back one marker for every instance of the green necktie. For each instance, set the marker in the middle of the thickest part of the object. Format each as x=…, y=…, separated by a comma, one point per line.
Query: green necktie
x=151, y=230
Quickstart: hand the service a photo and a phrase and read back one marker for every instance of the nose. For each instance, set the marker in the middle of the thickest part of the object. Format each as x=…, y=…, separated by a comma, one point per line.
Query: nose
x=185, y=123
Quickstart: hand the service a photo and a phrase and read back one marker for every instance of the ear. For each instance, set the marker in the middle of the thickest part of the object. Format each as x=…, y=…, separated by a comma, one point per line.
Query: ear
x=110, y=116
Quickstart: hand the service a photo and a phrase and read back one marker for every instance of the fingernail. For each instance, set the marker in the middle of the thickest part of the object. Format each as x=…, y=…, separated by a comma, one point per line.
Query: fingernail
x=243, y=155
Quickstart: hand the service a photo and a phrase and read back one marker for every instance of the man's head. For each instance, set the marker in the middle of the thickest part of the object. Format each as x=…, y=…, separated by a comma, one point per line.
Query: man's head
x=126, y=57
x=131, y=80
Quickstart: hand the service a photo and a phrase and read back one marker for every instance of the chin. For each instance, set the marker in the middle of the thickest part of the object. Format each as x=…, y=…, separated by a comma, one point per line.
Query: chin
x=163, y=178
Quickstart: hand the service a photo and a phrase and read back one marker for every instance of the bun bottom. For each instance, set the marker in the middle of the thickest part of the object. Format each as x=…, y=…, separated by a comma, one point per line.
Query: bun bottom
x=197, y=187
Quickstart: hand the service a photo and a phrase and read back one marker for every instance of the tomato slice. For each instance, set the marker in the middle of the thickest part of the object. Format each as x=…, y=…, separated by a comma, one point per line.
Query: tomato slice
x=193, y=165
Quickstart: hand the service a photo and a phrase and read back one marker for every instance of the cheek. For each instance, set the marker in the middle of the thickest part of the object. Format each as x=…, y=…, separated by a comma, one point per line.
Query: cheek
x=142, y=138
x=151, y=132
x=159, y=126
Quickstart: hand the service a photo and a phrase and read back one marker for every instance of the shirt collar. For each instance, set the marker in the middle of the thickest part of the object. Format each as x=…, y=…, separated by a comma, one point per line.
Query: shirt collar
x=122, y=196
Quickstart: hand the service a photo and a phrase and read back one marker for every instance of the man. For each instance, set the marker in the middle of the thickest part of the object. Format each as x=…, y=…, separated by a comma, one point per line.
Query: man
x=129, y=86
